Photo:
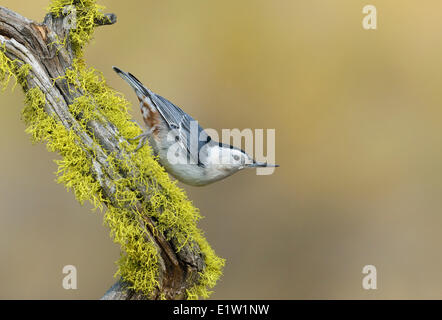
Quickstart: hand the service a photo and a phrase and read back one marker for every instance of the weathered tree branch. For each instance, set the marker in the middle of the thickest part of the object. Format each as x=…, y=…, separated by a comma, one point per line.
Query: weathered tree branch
x=32, y=43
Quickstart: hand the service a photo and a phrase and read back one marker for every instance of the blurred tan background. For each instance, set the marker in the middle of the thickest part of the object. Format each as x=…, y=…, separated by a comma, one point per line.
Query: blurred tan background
x=358, y=136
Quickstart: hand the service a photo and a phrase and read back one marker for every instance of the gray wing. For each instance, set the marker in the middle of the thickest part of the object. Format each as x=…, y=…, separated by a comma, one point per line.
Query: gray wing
x=175, y=118
x=185, y=126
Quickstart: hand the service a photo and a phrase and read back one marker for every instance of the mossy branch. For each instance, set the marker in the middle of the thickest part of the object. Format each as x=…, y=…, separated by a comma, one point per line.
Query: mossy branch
x=70, y=108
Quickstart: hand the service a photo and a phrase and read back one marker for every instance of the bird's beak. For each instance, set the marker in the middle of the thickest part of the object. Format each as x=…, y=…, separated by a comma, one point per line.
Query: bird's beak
x=262, y=165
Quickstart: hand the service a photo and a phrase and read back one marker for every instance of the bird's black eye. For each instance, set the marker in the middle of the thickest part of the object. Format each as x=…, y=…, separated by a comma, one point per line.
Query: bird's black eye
x=177, y=138
x=236, y=157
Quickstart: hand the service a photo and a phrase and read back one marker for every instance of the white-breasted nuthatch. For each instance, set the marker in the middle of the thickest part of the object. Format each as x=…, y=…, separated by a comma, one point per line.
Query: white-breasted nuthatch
x=183, y=148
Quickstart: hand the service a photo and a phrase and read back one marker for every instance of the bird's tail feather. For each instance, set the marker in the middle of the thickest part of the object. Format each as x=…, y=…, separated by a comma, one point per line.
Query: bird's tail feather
x=132, y=81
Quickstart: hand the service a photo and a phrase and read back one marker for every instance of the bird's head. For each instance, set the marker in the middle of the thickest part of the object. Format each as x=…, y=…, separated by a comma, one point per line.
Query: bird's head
x=230, y=159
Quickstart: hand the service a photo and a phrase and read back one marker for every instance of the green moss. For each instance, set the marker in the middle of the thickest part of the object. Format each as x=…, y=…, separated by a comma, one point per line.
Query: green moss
x=12, y=70
x=86, y=12
x=74, y=166
x=138, y=263
x=175, y=215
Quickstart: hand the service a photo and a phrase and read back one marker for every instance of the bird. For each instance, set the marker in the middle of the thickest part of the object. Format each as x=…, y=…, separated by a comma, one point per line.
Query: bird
x=181, y=145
